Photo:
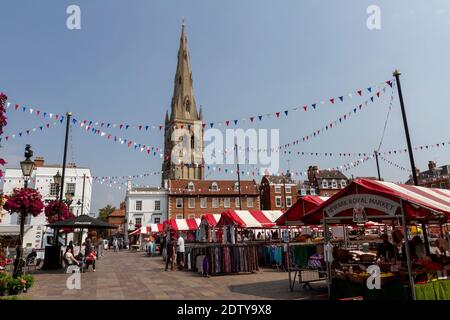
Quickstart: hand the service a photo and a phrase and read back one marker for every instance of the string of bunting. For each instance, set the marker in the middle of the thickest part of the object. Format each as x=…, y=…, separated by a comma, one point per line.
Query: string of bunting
x=394, y=164
x=145, y=127
x=26, y=132
x=151, y=150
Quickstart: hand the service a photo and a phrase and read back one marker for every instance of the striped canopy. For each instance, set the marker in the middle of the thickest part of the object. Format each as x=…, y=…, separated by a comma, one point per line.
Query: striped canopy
x=211, y=219
x=153, y=227
x=250, y=218
x=299, y=209
x=376, y=198
x=183, y=224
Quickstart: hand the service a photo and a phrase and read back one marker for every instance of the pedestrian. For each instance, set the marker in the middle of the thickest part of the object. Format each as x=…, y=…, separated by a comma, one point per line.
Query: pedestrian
x=115, y=245
x=170, y=253
x=180, y=252
x=90, y=255
x=151, y=243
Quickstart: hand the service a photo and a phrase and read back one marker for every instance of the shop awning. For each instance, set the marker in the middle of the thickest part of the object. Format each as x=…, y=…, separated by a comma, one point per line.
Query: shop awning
x=375, y=198
x=183, y=224
x=299, y=209
x=250, y=218
x=135, y=232
x=211, y=219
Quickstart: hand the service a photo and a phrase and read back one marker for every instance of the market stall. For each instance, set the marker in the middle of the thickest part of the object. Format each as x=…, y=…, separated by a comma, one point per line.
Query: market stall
x=186, y=227
x=207, y=230
x=355, y=270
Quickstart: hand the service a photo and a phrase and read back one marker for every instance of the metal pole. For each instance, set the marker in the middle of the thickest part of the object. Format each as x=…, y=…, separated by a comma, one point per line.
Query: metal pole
x=408, y=254
x=378, y=165
x=397, y=74
x=239, y=177
x=19, y=254
x=61, y=191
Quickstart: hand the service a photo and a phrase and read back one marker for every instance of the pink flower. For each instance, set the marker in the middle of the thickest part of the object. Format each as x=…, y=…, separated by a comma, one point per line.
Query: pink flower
x=24, y=201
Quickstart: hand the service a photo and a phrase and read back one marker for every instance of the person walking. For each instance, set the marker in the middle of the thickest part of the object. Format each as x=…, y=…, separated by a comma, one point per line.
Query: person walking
x=180, y=252
x=90, y=255
x=170, y=253
x=115, y=245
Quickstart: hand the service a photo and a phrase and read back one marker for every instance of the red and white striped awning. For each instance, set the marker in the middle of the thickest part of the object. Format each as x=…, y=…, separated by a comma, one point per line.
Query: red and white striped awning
x=183, y=224
x=385, y=198
x=250, y=218
x=153, y=227
x=211, y=219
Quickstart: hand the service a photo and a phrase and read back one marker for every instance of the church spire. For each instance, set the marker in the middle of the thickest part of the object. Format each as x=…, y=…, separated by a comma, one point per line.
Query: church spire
x=183, y=102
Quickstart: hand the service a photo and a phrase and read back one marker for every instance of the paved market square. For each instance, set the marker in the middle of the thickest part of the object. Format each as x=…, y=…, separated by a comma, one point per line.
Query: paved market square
x=132, y=275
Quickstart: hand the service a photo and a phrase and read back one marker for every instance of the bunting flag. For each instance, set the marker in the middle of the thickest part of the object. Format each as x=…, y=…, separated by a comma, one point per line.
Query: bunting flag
x=393, y=164
x=112, y=178
x=26, y=132
x=146, y=127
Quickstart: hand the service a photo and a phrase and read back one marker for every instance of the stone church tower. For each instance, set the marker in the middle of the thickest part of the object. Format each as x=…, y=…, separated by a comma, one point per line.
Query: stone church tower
x=183, y=115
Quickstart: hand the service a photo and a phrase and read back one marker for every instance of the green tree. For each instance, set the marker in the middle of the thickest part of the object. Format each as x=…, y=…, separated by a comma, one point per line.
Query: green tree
x=103, y=213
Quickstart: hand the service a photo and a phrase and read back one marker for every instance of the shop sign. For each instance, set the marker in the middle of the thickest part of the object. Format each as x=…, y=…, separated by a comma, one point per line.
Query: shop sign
x=362, y=200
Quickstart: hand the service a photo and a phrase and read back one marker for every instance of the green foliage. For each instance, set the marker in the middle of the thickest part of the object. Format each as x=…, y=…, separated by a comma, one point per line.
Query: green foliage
x=103, y=213
x=9, y=285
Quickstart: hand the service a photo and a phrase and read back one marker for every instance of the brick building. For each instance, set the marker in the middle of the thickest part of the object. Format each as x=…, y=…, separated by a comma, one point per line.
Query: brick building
x=324, y=183
x=434, y=177
x=193, y=198
x=277, y=192
x=117, y=218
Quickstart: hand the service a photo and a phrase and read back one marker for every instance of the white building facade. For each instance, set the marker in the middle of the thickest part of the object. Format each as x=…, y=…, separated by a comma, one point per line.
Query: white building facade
x=144, y=206
x=42, y=180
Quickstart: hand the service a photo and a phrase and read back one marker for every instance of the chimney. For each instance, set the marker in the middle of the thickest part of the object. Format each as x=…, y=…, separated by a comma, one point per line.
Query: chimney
x=39, y=161
x=431, y=165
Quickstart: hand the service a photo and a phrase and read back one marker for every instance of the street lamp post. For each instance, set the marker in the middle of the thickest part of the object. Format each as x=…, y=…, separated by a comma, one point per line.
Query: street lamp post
x=27, y=167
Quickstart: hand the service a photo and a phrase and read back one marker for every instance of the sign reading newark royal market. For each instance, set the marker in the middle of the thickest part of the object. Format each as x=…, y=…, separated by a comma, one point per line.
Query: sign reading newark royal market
x=368, y=201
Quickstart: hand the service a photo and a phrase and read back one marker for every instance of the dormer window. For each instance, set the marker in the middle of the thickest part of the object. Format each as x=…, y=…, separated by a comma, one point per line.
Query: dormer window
x=334, y=184
x=190, y=186
x=236, y=186
x=214, y=187
x=324, y=184
x=343, y=184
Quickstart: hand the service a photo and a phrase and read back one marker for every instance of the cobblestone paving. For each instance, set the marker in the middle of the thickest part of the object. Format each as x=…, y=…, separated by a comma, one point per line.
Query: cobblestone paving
x=132, y=275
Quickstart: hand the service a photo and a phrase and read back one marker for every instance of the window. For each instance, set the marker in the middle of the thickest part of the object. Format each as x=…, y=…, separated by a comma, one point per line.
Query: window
x=226, y=202
x=192, y=216
x=156, y=220
x=138, y=221
x=288, y=201
x=288, y=189
x=138, y=205
x=277, y=189
x=157, y=205
x=236, y=186
x=214, y=187
x=334, y=184
x=70, y=187
x=326, y=195
x=303, y=192
x=278, y=201
x=249, y=202
x=442, y=185
x=237, y=202
x=343, y=184
x=324, y=184
x=312, y=191
x=203, y=203
x=190, y=186
x=179, y=202
x=215, y=202
x=191, y=203
x=53, y=189
x=179, y=216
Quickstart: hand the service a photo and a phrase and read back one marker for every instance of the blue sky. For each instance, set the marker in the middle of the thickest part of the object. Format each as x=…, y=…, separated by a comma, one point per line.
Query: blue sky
x=248, y=58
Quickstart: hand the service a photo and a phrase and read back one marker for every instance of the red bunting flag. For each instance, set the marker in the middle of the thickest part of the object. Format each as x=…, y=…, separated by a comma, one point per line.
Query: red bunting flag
x=251, y=119
x=160, y=128
x=360, y=92
x=305, y=107
x=378, y=94
x=332, y=101
x=278, y=114
x=227, y=122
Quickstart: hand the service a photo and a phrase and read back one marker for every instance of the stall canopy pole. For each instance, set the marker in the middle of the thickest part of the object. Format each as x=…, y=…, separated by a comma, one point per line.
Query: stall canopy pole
x=327, y=262
x=408, y=254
